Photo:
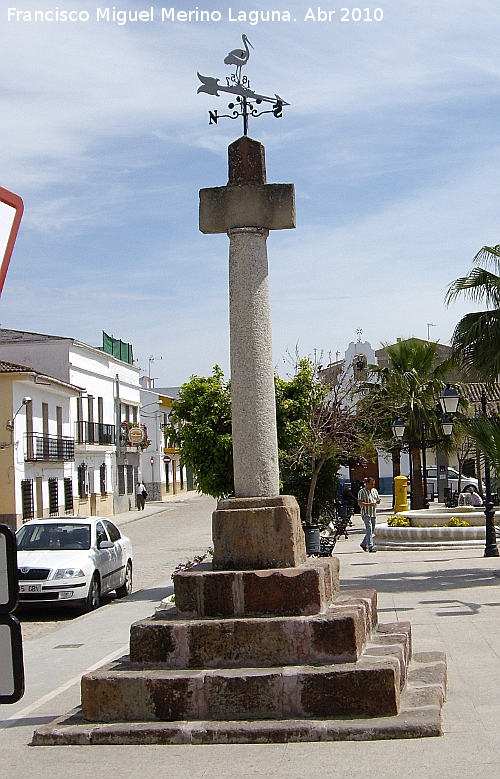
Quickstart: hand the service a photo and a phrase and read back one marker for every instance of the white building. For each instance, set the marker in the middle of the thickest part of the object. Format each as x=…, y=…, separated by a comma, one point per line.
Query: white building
x=107, y=466
x=162, y=473
x=37, y=445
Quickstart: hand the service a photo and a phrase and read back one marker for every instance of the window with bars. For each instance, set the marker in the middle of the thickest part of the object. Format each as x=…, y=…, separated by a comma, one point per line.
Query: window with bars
x=121, y=480
x=28, y=505
x=53, y=497
x=68, y=495
x=102, y=478
x=130, y=479
x=82, y=480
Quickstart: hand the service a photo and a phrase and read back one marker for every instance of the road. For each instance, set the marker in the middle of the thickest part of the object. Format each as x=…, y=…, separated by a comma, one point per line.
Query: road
x=160, y=541
x=59, y=645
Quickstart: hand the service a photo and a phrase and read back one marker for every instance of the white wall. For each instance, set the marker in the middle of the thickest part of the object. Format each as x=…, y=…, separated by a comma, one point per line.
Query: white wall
x=53, y=395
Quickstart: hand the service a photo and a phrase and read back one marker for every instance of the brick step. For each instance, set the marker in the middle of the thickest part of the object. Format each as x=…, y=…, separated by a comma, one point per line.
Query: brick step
x=370, y=687
x=419, y=717
x=337, y=636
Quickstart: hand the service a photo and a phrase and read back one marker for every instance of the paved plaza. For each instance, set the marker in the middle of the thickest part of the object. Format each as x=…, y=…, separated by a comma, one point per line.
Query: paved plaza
x=451, y=598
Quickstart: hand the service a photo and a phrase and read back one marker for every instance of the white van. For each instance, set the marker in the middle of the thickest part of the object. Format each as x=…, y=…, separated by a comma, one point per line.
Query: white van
x=467, y=481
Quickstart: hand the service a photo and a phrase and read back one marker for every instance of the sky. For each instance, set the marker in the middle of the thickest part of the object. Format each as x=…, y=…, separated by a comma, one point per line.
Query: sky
x=391, y=139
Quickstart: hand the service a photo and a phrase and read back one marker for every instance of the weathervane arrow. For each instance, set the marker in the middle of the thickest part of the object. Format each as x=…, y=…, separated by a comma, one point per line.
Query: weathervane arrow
x=212, y=87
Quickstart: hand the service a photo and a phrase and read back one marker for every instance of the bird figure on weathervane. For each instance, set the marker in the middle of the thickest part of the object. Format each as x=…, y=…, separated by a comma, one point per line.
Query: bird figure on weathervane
x=239, y=57
x=247, y=100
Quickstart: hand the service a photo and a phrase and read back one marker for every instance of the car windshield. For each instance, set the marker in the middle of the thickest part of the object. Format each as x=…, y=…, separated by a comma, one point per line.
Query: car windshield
x=52, y=535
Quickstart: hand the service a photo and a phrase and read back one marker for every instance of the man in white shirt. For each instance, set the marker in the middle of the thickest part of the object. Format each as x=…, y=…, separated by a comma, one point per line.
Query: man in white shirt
x=368, y=499
x=141, y=495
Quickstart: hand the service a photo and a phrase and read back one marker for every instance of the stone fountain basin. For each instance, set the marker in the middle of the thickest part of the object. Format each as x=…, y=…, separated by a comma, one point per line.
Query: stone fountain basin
x=428, y=529
x=440, y=517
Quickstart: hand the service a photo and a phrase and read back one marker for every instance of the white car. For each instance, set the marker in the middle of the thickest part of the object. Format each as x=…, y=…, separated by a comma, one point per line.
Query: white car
x=72, y=561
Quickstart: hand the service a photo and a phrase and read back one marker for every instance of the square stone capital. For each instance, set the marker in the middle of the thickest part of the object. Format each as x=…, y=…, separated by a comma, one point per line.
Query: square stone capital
x=271, y=206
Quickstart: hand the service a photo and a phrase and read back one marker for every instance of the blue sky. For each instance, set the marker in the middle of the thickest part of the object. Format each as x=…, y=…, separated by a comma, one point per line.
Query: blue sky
x=391, y=140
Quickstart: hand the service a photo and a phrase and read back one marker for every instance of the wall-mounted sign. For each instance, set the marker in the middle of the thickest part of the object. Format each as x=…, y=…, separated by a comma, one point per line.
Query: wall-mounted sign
x=11, y=211
x=136, y=435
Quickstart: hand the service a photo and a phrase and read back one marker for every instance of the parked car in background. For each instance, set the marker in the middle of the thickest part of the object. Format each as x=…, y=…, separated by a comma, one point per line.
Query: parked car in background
x=72, y=561
x=467, y=481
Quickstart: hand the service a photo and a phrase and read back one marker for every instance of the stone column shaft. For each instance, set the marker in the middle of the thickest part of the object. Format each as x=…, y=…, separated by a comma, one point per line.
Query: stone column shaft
x=255, y=443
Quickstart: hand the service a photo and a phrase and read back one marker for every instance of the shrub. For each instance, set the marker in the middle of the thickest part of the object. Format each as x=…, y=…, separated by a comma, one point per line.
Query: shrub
x=456, y=522
x=398, y=521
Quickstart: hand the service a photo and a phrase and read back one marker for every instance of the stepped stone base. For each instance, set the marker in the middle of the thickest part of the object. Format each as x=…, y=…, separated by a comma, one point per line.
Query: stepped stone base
x=419, y=717
x=369, y=685
x=261, y=656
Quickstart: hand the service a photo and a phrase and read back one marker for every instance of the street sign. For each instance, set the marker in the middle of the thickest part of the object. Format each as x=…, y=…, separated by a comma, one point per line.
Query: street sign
x=167, y=459
x=11, y=211
x=11, y=645
x=11, y=660
x=9, y=586
x=152, y=460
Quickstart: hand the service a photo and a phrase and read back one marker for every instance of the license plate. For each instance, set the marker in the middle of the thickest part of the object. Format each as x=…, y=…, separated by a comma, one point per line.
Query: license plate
x=25, y=588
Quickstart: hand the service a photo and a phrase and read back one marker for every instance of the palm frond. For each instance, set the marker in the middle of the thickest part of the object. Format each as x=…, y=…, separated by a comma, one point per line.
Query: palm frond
x=479, y=285
x=476, y=343
x=486, y=433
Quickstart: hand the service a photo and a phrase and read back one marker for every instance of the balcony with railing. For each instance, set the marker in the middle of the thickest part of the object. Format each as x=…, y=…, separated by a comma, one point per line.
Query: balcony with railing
x=95, y=433
x=49, y=448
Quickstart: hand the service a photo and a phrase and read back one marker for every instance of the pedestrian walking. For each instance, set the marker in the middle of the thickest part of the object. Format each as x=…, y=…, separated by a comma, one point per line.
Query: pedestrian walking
x=368, y=499
x=141, y=495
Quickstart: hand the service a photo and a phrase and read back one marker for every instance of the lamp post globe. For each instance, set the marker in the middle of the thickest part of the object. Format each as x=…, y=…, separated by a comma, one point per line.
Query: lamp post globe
x=398, y=429
x=449, y=399
x=447, y=426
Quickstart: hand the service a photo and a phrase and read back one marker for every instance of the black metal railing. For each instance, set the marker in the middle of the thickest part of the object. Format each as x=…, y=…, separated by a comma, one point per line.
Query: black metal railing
x=49, y=448
x=94, y=433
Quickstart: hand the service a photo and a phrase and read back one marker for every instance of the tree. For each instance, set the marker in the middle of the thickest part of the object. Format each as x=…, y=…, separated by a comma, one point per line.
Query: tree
x=200, y=425
x=312, y=432
x=476, y=339
x=409, y=388
x=327, y=431
x=378, y=406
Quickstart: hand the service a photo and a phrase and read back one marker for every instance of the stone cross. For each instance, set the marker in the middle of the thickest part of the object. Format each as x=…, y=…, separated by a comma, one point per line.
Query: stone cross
x=246, y=209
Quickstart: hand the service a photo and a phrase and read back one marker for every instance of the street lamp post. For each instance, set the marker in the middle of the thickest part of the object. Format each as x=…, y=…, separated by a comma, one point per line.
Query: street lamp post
x=490, y=549
x=425, y=499
x=449, y=400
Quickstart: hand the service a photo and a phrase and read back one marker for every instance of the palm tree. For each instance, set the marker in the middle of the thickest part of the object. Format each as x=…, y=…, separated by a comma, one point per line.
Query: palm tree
x=476, y=339
x=409, y=387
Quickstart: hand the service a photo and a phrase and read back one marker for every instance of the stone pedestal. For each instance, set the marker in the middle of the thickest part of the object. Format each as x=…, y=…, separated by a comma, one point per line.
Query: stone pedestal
x=257, y=533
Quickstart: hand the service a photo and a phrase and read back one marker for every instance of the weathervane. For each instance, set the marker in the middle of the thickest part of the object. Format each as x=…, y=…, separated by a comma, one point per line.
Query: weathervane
x=246, y=99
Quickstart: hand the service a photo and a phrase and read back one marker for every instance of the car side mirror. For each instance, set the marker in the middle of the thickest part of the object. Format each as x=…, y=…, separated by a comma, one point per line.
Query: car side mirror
x=105, y=545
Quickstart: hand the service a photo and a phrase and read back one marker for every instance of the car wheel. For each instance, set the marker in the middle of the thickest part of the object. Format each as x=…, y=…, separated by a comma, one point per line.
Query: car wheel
x=126, y=588
x=93, y=600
